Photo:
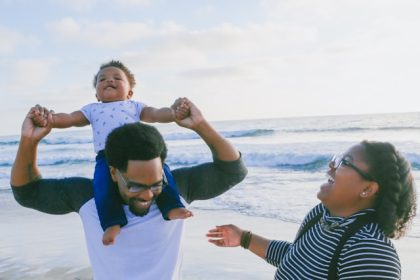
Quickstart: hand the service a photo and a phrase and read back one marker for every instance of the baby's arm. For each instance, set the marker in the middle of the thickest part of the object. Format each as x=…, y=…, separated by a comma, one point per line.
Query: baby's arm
x=64, y=120
x=161, y=115
x=178, y=111
x=59, y=120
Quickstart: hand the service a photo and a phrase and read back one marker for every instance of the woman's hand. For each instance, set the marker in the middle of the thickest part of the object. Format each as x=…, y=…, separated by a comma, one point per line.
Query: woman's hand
x=225, y=236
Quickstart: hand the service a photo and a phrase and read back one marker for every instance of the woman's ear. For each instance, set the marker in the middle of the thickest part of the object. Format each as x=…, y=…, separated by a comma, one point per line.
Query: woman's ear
x=370, y=190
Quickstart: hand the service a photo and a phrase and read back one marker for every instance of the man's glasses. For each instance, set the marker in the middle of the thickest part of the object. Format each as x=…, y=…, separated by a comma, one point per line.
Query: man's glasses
x=339, y=160
x=136, y=187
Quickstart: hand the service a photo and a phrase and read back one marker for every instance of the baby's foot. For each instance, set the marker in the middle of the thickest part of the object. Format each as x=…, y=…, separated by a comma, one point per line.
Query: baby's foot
x=179, y=213
x=110, y=234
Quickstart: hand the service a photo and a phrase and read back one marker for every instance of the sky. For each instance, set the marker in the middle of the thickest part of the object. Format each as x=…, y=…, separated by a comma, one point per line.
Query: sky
x=235, y=59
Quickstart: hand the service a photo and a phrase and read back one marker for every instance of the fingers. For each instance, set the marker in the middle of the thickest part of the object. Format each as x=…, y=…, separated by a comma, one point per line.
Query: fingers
x=218, y=242
x=181, y=108
x=39, y=115
x=217, y=232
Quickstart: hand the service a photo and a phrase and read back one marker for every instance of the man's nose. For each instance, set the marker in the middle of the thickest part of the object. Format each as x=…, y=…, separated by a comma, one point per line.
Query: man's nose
x=146, y=194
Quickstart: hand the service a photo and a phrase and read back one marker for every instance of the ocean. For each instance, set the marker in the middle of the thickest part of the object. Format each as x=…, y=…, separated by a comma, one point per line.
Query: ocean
x=287, y=160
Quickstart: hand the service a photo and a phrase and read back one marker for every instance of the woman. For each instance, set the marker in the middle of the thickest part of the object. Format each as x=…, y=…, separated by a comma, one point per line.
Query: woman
x=369, y=197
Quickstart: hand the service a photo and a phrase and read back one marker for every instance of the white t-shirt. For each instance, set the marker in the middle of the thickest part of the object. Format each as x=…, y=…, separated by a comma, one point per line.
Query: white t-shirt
x=105, y=117
x=148, y=248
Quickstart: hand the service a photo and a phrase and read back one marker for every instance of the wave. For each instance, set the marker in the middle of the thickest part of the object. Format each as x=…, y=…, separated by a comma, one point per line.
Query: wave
x=57, y=161
x=352, y=129
x=9, y=142
x=65, y=141
x=227, y=134
x=171, y=136
x=248, y=133
x=277, y=160
x=308, y=162
x=58, y=141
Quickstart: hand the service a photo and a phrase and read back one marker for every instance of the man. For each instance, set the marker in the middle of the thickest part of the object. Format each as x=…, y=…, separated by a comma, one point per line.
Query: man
x=148, y=246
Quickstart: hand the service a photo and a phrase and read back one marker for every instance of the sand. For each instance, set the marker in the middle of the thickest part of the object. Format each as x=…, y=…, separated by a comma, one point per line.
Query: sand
x=57, y=251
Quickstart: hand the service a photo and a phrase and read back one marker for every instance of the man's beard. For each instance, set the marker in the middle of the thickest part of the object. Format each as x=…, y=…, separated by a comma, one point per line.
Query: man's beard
x=138, y=211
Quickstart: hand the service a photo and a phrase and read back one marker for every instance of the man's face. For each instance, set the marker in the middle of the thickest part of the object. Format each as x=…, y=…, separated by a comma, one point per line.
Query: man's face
x=147, y=173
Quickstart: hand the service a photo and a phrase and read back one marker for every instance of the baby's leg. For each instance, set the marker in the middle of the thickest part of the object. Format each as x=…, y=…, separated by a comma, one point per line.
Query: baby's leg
x=169, y=201
x=108, y=201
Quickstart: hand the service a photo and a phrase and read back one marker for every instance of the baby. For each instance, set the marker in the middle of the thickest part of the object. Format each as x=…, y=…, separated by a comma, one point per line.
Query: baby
x=114, y=85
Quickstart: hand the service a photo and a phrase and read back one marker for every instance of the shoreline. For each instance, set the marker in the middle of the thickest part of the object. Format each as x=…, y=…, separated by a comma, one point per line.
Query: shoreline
x=53, y=252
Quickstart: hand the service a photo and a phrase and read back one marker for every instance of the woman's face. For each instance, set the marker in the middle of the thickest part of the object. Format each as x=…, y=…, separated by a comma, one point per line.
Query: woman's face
x=346, y=191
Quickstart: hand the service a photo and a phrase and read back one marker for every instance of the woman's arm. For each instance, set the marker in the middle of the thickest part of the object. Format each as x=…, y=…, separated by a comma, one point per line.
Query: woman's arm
x=233, y=236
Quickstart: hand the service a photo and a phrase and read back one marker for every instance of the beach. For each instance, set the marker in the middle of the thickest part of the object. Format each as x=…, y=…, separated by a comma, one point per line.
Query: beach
x=287, y=161
x=202, y=260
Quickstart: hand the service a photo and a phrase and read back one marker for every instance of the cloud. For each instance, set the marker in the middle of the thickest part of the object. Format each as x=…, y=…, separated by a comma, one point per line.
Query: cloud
x=131, y=3
x=76, y=5
x=30, y=73
x=104, y=34
x=10, y=41
x=89, y=5
x=66, y=29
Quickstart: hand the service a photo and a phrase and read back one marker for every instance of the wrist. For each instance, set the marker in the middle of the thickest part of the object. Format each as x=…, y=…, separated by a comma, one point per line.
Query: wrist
x=246, y=239
x=201, y=126
x=29, y=140
x=173, y=114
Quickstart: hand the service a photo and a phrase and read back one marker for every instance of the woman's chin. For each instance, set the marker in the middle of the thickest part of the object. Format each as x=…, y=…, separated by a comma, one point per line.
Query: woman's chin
x=324, y=190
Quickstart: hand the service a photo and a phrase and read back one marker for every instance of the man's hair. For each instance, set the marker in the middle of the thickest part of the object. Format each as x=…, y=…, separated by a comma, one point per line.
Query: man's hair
x=117, y=64
x=134, y=141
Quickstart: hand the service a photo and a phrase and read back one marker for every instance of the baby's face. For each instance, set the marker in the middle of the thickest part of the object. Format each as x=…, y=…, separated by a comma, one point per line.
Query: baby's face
x=112, y=85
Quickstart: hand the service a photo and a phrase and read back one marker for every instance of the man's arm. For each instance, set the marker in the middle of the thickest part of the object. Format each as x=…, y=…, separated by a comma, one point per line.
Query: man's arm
x=208, y=180
x=57, y=196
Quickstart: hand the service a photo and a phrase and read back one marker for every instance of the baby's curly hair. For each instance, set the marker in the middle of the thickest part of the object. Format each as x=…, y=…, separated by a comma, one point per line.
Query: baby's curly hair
x=118, y=64
x=396, y=199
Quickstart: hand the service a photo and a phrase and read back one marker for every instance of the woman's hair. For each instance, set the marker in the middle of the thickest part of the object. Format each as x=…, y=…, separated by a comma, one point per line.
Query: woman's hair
x=117, y=64
x=395, y=203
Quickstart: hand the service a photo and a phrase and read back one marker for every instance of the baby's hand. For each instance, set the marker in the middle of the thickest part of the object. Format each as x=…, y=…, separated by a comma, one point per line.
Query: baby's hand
x=39, y=116
x=182, y=109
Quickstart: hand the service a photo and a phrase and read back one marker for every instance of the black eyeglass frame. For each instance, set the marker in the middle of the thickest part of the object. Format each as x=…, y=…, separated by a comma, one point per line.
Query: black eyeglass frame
x=338, y=160
x=133, y=187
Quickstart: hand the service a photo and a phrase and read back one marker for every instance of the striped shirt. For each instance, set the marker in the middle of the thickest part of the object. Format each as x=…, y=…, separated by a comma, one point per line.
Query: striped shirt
x=368, y=254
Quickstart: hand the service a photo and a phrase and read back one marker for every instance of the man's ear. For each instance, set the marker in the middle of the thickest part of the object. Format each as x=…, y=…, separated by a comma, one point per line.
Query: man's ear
x=370, y=190
x=113, y=172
